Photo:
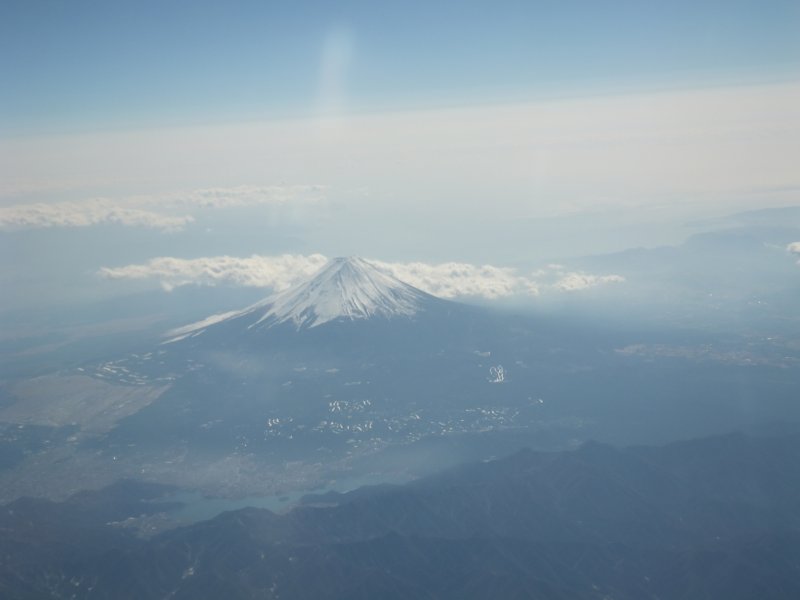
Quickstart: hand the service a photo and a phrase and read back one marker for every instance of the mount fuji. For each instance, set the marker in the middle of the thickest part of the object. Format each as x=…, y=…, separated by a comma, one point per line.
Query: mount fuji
x=345, y=289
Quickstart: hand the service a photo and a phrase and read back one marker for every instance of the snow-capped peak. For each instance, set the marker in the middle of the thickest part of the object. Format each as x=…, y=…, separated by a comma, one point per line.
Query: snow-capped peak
x=345, y=288
x=349, y=288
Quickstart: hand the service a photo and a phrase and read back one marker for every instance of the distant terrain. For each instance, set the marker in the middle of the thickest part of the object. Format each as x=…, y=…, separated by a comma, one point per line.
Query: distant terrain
x=710, y=518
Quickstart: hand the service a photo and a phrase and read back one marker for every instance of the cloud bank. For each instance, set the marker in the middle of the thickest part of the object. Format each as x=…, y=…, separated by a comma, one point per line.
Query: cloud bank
x=453, y=280
x=165, y=212
x=275, y=272
x=445, y=280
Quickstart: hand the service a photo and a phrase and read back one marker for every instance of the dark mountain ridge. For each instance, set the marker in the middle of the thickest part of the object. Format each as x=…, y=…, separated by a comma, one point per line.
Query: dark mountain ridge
x=716, y=517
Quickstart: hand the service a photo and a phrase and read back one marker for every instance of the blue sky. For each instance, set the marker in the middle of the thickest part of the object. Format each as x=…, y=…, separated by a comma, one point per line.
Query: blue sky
x=87, y=65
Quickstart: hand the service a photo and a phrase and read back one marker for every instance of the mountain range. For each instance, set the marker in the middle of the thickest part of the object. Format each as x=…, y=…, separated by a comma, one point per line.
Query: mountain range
x=711, y=518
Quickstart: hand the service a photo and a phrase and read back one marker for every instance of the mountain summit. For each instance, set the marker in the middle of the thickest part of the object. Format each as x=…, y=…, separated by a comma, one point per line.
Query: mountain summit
x=347, y=288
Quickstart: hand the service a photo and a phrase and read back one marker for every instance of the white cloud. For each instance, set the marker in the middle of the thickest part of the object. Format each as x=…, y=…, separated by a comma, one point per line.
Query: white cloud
x=446, y=280
x=275, y=272
x=151, y=211
x=794, y=248
x=451, y=280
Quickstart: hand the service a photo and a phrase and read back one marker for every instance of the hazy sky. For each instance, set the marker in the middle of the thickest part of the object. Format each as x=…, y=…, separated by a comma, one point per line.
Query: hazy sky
x=505, y=133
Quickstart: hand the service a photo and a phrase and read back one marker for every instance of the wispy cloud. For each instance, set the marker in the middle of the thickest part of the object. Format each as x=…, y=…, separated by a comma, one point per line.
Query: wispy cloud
x=86, y=214
x=559, y=278
x=166, y=212
x=576, y=281
x=232, y=197
x=446, y=280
